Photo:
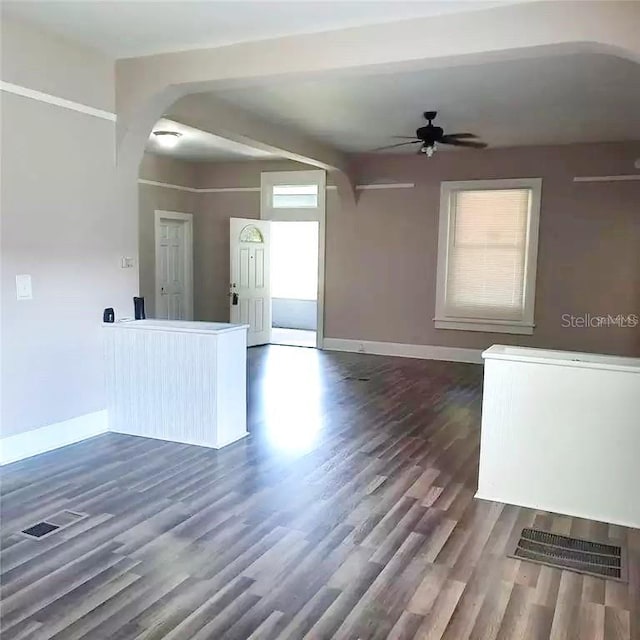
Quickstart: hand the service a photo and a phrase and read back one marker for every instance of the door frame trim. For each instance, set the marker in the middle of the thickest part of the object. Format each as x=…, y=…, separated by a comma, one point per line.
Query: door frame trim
x=187, y=219
x=316, y=214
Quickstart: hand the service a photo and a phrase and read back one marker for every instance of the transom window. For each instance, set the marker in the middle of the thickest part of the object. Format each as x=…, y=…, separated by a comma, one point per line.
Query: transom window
x=487, y=249
x=294, y=196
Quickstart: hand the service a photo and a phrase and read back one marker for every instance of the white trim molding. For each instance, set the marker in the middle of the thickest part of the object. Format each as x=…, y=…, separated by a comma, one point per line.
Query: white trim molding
x=622, y=178
x=419, y=351
x=40, y=96
x=447, y=315
x=377, y=186
x=229, y=190
x=329, y=187
x=166, y=185
x=488, y=326
x=385, y=185
x=52, y=436
x=180, y=187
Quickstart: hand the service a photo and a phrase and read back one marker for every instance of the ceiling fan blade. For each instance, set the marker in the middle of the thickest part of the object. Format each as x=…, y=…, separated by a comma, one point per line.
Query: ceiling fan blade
x=392, y=146
x=471, y=144
x=460, y=135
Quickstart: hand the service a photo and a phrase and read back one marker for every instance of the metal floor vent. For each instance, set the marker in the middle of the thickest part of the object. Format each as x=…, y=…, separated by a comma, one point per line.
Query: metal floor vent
x=57, y=522
x=574, y=554
x=40, y=530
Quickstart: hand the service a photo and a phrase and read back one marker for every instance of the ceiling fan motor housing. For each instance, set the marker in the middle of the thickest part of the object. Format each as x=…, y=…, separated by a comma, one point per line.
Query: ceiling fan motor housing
x=429, y=133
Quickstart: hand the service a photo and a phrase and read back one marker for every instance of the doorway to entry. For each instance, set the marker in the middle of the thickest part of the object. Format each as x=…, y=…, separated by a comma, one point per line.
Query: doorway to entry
x=294, y=283
x=277, y=262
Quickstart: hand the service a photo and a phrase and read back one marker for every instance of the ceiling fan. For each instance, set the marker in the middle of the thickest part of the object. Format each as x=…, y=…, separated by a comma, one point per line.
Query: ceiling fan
x=430, y=136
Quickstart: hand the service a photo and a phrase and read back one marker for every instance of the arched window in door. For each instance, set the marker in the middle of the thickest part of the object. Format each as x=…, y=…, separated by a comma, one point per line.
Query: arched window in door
x=251, y=233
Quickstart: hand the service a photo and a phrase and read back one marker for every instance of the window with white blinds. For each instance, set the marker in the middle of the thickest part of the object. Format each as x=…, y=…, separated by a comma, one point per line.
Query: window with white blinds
x=486, y=255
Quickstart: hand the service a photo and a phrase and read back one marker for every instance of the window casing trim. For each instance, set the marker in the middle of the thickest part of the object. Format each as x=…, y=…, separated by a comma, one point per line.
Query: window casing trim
x=525, y=325
x=270, y=179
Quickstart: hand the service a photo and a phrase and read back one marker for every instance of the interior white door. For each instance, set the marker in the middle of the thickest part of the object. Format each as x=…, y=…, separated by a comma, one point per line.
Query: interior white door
x=250, y=291
x=171, y=268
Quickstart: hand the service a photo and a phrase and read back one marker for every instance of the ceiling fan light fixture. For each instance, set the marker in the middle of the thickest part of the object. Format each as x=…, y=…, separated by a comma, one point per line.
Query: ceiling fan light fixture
x=167, y=139
x=429, y=149
x=429, y=136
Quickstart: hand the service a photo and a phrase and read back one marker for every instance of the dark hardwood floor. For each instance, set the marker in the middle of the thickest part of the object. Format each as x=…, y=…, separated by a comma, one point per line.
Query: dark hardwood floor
x=348, y=514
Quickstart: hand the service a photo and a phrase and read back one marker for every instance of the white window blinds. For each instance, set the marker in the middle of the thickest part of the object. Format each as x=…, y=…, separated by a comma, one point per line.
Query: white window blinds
x=487, y=253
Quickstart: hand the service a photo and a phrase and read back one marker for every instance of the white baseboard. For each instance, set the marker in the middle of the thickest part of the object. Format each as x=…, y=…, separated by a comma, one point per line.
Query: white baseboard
x=421, y=351
x=561, y=510
x=60, y=434
x=53, y=436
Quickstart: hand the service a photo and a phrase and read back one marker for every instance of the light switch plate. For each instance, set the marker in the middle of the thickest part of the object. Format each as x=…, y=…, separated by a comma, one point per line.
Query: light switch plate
x=23, y=287
x=127, y=262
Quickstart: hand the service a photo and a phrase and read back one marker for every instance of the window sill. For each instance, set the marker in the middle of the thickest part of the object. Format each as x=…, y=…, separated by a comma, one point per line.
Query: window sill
x=487, y=326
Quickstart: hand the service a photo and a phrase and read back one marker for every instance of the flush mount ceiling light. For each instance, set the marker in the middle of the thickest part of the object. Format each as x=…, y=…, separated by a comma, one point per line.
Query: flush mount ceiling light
x=167, y=139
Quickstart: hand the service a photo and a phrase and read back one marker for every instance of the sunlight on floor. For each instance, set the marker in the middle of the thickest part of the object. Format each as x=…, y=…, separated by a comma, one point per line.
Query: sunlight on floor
x=293, y=337
x=292, y=402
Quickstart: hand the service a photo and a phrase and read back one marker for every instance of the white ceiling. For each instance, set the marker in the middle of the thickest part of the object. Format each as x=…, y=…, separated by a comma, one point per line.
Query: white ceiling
x=198, y=145
x=133, y=28
x=559, y=100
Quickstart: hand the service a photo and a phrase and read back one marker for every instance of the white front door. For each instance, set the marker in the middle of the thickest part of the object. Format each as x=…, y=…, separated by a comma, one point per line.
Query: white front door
x=250, y=291
x=173, y=255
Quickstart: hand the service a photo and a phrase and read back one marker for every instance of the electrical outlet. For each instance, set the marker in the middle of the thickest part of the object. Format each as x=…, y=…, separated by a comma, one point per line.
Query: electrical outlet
x=361, y=348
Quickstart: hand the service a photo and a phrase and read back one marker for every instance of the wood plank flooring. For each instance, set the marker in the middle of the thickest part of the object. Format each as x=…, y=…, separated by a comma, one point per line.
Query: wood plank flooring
x=348, y=514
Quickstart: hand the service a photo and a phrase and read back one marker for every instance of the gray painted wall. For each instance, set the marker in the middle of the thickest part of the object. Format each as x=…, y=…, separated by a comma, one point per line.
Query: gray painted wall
x=60, y=225
x=587, y=263
x=151, y=198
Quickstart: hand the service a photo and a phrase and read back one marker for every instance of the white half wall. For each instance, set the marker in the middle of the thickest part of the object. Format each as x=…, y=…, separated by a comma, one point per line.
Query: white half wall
x=177, y=381
x=561, y=433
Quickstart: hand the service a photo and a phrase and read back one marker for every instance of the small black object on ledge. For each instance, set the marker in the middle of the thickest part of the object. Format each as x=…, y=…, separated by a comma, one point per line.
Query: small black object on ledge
x=108, y=315
x=138, y=308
